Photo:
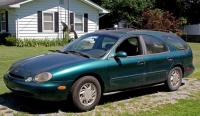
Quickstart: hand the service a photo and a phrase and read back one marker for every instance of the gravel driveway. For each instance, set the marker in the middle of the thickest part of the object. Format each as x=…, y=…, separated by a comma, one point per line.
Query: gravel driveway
x=132, y=101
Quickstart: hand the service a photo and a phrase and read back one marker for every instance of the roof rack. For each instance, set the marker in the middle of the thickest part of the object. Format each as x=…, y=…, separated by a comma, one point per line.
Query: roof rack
x=119, y=29
x=134, y=29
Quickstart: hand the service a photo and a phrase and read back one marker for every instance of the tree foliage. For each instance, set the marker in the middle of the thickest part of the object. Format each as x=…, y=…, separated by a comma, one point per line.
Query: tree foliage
x=158, y=19
x=182, y=8
x=128, y=10
x=131, y=10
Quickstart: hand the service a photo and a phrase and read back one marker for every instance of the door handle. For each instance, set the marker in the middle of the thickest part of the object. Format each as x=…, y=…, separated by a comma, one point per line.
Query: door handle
x=141, y=63
x=170, y=59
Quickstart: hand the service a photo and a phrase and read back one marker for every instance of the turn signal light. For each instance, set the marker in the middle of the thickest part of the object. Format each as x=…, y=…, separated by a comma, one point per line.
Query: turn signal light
x=61, y=88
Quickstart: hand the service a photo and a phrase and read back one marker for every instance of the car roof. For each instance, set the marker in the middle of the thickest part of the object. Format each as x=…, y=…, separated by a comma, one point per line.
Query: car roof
x=124, y=32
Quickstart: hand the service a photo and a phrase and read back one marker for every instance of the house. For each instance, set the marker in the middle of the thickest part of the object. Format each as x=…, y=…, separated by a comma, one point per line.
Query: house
x=192, y=29
x=192, y=32
x=37, y=19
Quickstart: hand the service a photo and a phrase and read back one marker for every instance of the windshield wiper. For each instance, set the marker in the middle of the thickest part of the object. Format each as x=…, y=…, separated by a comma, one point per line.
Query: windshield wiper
x=79, y=53
x=59, y=51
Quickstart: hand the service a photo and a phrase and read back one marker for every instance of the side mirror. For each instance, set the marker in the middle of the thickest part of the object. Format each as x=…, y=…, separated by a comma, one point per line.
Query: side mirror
x=121, y=54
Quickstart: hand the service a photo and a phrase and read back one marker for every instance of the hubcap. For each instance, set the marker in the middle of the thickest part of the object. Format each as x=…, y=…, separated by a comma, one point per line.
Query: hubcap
x=88, y=94
x=175, y=78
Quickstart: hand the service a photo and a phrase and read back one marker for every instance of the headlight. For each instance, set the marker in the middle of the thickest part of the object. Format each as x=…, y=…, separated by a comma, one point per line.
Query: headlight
x=43, y=77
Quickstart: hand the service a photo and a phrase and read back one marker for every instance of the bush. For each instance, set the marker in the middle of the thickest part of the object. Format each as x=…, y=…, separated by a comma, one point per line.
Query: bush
x=158, y=19
x=10, y=41
x=3, y=36
x=41, y=42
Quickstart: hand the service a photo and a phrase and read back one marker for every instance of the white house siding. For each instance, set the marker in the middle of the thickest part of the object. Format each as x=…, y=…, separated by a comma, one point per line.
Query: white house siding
x=26, y=17
x=93, y=14
x=192, y=29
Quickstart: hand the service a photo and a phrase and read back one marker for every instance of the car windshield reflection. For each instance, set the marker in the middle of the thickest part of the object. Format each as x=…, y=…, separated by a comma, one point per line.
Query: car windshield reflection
x=92, y=45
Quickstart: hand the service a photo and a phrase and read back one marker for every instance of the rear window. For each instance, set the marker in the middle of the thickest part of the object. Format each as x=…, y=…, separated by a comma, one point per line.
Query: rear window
x=176, y=42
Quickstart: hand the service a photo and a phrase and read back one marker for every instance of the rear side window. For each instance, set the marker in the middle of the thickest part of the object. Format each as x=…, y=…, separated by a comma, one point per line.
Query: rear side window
x=154, y=45
x=176, y=42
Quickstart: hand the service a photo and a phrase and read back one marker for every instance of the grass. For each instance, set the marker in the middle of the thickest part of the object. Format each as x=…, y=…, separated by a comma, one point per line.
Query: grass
x=9, y=55
x=196, y=52
x=190, y=107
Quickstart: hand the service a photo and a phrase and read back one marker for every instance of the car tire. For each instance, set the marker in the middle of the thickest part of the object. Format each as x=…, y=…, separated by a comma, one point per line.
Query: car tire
x=174, y=79
x=86, y=93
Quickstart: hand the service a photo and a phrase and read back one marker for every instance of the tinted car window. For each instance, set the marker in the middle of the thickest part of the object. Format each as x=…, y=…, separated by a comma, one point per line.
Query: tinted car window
x=176, y=42
x=154, y=45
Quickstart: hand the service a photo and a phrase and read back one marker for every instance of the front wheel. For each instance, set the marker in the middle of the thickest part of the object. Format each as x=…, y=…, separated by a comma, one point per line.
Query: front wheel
x=174, y=79
x=86, y=93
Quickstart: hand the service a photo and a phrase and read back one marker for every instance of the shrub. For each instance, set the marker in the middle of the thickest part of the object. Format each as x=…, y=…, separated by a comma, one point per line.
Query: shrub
x=3, y=36
x=41, y=42
x=10, y=41
x=158, y=19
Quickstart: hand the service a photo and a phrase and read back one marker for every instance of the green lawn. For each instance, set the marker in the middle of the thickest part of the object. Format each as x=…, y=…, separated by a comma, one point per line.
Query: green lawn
x=9, y=55
x=190, y=107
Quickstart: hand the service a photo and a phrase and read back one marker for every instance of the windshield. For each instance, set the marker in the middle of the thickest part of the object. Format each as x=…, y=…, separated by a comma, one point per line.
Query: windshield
x=93, y=45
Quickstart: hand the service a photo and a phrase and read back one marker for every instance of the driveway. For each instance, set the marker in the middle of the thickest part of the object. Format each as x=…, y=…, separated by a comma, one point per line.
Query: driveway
x=136, y=100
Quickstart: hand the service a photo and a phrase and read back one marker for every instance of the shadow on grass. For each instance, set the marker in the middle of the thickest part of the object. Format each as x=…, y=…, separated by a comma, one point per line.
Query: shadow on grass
x=32, y=106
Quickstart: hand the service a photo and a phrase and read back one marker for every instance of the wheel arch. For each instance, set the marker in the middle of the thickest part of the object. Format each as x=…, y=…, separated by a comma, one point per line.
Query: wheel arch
x=98, y=77
x=181, y=66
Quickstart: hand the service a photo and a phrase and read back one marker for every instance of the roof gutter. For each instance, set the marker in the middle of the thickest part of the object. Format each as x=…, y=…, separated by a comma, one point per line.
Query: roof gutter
x=17, y=5
x=101, y=9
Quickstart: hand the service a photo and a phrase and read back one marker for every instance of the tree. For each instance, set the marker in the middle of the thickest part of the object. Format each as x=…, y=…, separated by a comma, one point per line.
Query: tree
x=128, y=10
x=192, y=10
x=182, y=8
x=158, y=19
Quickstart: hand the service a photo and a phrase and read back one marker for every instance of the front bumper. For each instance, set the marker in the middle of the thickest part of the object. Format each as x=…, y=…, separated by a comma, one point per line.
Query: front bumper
x=44, y=91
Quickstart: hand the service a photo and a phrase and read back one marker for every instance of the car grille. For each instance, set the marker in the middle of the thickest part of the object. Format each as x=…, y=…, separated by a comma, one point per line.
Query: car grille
x=15, y=76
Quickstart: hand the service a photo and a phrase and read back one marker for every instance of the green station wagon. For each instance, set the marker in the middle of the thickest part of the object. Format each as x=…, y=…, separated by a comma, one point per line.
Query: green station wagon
x=102, y=62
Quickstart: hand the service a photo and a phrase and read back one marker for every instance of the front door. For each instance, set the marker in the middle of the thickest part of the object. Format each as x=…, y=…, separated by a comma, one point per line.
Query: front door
x=128, y=71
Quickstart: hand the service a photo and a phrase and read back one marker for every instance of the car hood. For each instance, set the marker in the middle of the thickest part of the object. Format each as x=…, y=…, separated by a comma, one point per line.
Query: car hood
x=45, y=62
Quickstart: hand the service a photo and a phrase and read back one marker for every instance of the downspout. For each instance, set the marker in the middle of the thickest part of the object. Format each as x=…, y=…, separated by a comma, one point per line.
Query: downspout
x=58, y=21
x=17, y=30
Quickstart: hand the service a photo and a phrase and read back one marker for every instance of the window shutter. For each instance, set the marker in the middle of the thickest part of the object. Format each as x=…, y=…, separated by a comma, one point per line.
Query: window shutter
x=72, y=21
x=56, y=19
x=39, y=21
x=85, y=22
x=6, y=21
x=0, y=22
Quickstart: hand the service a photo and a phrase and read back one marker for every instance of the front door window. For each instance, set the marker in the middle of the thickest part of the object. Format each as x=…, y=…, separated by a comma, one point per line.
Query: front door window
x=131, y=46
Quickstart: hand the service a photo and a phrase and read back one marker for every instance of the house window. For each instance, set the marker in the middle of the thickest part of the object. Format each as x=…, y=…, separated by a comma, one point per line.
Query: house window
x=48, y=21
x=3, y=22
x=79, y=22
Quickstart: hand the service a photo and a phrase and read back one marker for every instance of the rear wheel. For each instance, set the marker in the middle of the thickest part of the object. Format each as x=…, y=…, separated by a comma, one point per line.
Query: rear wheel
x=86, y=93
x=174, y=79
